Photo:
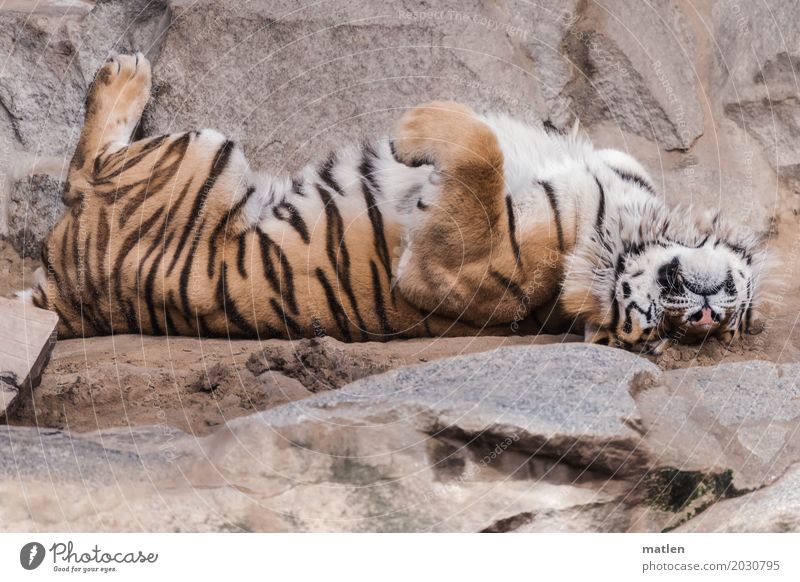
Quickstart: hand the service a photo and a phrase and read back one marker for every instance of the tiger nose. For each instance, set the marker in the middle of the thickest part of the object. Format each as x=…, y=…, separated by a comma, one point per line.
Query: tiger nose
x=705, y=317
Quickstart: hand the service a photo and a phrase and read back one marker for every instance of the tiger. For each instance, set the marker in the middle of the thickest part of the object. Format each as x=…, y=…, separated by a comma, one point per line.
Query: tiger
x=458, y=223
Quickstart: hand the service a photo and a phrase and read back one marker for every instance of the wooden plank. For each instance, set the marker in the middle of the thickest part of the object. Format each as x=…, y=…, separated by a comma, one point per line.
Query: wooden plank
x=27, y=337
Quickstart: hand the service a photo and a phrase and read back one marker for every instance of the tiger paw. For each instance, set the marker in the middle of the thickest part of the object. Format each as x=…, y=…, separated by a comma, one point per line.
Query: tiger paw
x=434, y=133
x=118, y=95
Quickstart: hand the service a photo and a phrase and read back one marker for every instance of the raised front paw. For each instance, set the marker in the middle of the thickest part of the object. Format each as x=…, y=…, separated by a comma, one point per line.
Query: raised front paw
x=433, y=133
x=120, y=90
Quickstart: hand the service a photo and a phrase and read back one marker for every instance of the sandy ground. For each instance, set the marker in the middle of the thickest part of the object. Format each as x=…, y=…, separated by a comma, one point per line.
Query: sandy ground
x=196, y=385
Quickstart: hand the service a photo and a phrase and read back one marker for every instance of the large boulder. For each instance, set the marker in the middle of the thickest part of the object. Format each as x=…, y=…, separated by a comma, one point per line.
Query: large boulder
x=290, y=84
x=465, y=444
x=741, y=417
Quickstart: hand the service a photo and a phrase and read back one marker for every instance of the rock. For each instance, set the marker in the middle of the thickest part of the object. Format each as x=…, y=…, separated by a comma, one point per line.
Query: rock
x=755, y=76
x=630, y=89
x=579, y=413
x=27, y=337
x=625, y=77
x=33, y=209
x=774, y=509
x=410, y=450
x=739, y=417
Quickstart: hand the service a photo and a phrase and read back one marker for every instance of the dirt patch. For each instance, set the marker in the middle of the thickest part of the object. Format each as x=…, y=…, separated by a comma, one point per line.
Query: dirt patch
x=198, y=384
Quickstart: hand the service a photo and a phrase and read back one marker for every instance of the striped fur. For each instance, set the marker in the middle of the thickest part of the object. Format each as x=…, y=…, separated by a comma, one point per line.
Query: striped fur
x=459, y=225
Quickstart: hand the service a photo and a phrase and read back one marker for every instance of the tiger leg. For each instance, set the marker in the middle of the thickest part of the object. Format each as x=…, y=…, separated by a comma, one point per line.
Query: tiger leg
x=114, y=105
x=460, y=259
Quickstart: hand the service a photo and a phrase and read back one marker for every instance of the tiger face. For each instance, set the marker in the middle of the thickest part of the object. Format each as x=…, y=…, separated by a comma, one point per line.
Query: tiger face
x=670, y=292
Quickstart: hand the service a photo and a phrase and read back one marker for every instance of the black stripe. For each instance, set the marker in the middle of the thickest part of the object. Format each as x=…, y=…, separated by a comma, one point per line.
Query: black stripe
x=334, y=232
x=66, y=288
x=380, y=306
x=265, y=244
x=84, y=298
x=551, y=198
x=217, y=167
x=103, y=237
x=162, y=241
x=155, y=181
x=129, y=162
x=76, y=257
x=282, y=283
x=287, y=280
x=288, y=321
x=127, y=246
x=371, y=190
x=335, y=307
x=415, y=163
x=85, y=306
x=614, y=315
x=240, y=255
x=326, y=174
x=92, y=290
x=512, y=228
x=63, y=319
x=149, y=282
x=620, y=266
x=62, y=289
x=292, y=216
x=549, y=127
x=232, y=313
x=601, y=207
x=169, y=324
x=635, y=179
x=508, y=284
x=425, y=317
x=223, y=224
x=627, y=325
x=183, y=281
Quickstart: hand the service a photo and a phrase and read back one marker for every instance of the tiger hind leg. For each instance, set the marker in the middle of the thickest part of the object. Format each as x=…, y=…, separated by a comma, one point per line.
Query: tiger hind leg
x=114, y=105
x=460, y=259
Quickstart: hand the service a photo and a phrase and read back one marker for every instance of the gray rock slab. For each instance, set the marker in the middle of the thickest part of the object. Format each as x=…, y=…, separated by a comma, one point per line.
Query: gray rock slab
x=775, y=509
x=742, y=416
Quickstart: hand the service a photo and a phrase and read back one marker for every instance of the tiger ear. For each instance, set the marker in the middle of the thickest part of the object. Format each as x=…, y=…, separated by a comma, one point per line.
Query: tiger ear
x=598, y=335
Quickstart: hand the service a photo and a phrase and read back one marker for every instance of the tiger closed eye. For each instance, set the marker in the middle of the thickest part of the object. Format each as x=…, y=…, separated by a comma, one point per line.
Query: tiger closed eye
x=730, y=286
x=669, y=276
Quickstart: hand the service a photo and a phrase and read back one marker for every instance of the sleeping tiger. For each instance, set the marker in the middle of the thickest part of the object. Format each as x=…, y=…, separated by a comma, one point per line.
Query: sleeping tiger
x=459, y=224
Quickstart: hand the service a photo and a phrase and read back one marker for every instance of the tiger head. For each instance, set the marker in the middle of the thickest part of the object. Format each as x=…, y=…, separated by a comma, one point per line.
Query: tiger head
x=676, y=280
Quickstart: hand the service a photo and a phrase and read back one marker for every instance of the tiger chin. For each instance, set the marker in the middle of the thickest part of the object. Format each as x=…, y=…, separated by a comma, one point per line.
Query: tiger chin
x=459, y=224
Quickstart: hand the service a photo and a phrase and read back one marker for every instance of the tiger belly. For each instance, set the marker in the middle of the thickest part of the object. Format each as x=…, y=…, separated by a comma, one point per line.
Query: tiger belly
x=178, y=236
